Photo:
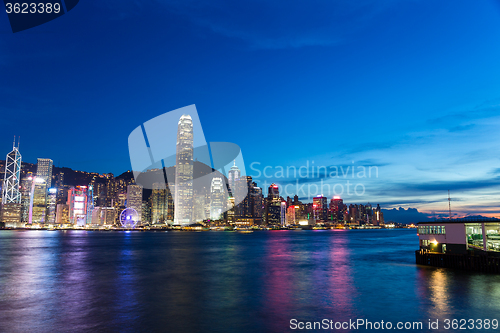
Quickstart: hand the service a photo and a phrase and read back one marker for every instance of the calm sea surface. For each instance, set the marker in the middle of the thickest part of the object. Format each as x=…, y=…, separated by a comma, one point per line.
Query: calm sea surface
x=83, y=281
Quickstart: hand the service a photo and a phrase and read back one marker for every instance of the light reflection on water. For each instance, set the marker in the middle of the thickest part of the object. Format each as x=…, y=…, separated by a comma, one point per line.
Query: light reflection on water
x=226, y=282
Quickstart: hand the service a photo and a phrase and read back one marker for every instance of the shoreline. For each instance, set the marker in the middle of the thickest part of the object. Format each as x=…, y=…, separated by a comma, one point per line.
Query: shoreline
x=196, y=230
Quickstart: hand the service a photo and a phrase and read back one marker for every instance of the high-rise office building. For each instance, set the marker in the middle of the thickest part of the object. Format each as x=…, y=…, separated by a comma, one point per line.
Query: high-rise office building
x=320, y=208
x=337, y=210
x=243, y=186
x=273, y=192
x=11, y=196
x=353, y=215
x=38, y=205
x=62, y=214
x=146, y=212
x=103, y=216
x=378, y=216
x=283, y=213
x=217, y=198
x=110, y=192
x=199, y=204
x=62, y=194
x=231, y=216
x=169, y=208
x=44, y=170
x=90, y=204
x=77, y=202
x=60, y=179
x=273, y=206
x=10, y=190
x=51, y=206
x=42, y=183
x=161, y=204
x=26, y=192
x=232, y=177
x=290, y=214
x=134, y=199
x=183, y=212
x=257, y=203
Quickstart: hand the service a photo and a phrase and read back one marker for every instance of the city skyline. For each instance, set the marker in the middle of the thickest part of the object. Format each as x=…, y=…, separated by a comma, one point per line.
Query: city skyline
x=410, y=215
x=42, y=199
x=360, y=85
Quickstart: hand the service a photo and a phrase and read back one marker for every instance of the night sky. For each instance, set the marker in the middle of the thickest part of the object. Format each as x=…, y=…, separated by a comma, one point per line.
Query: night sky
x=412, y=87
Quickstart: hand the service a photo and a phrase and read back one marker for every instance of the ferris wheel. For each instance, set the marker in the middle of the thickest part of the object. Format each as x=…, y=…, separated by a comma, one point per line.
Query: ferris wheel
x=129, y=218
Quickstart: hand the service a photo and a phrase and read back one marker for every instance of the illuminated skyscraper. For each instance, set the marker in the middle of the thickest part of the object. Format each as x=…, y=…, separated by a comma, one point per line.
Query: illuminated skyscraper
x=273, y=206
x=42, y=183
x=243, y=186
x=77, y=200
x=11, y=196
x=90, y=204
x=161, y=204
x=290, y=214
x=26, y=191
x=51, y=206
x=134, y=199
x=257, y=203
x=320, y=208
x=337, y=209
x=38, y=207
x=353, y=215
x=283, y=213
x=62, y=214
x=273, y=192
x=200, y=198
x=184, y=172
x=12, y=177
x=103, y=216
x=146, y=212
x=169, y=205
x=44, y=170
x=232, y=177
x=217, y=198
x=378, y=216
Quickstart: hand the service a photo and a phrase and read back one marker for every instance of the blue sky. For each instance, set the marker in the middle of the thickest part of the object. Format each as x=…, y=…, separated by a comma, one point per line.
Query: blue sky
x=412, y=87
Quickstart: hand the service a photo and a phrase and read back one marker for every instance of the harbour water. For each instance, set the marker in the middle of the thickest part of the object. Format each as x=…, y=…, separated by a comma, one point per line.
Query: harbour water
x=89, y=281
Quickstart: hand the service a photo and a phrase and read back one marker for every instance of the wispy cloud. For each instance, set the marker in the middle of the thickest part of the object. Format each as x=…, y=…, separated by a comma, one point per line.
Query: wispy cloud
x=440, y=186
x=462, y=128
x=280, y=24
x=483, y=110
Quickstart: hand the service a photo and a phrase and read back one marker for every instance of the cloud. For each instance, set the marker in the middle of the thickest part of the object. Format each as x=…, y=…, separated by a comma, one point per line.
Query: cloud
x=404, y=202
x=462, y=128
x=401, y=215
x=495, y=171
x=484, y=110
x=440, y=186
x=280, y=24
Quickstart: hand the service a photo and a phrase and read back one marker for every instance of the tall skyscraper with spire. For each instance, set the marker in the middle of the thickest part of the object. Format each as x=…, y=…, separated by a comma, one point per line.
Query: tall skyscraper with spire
x=11, y=196
x=183, y=207
x=232, y=177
